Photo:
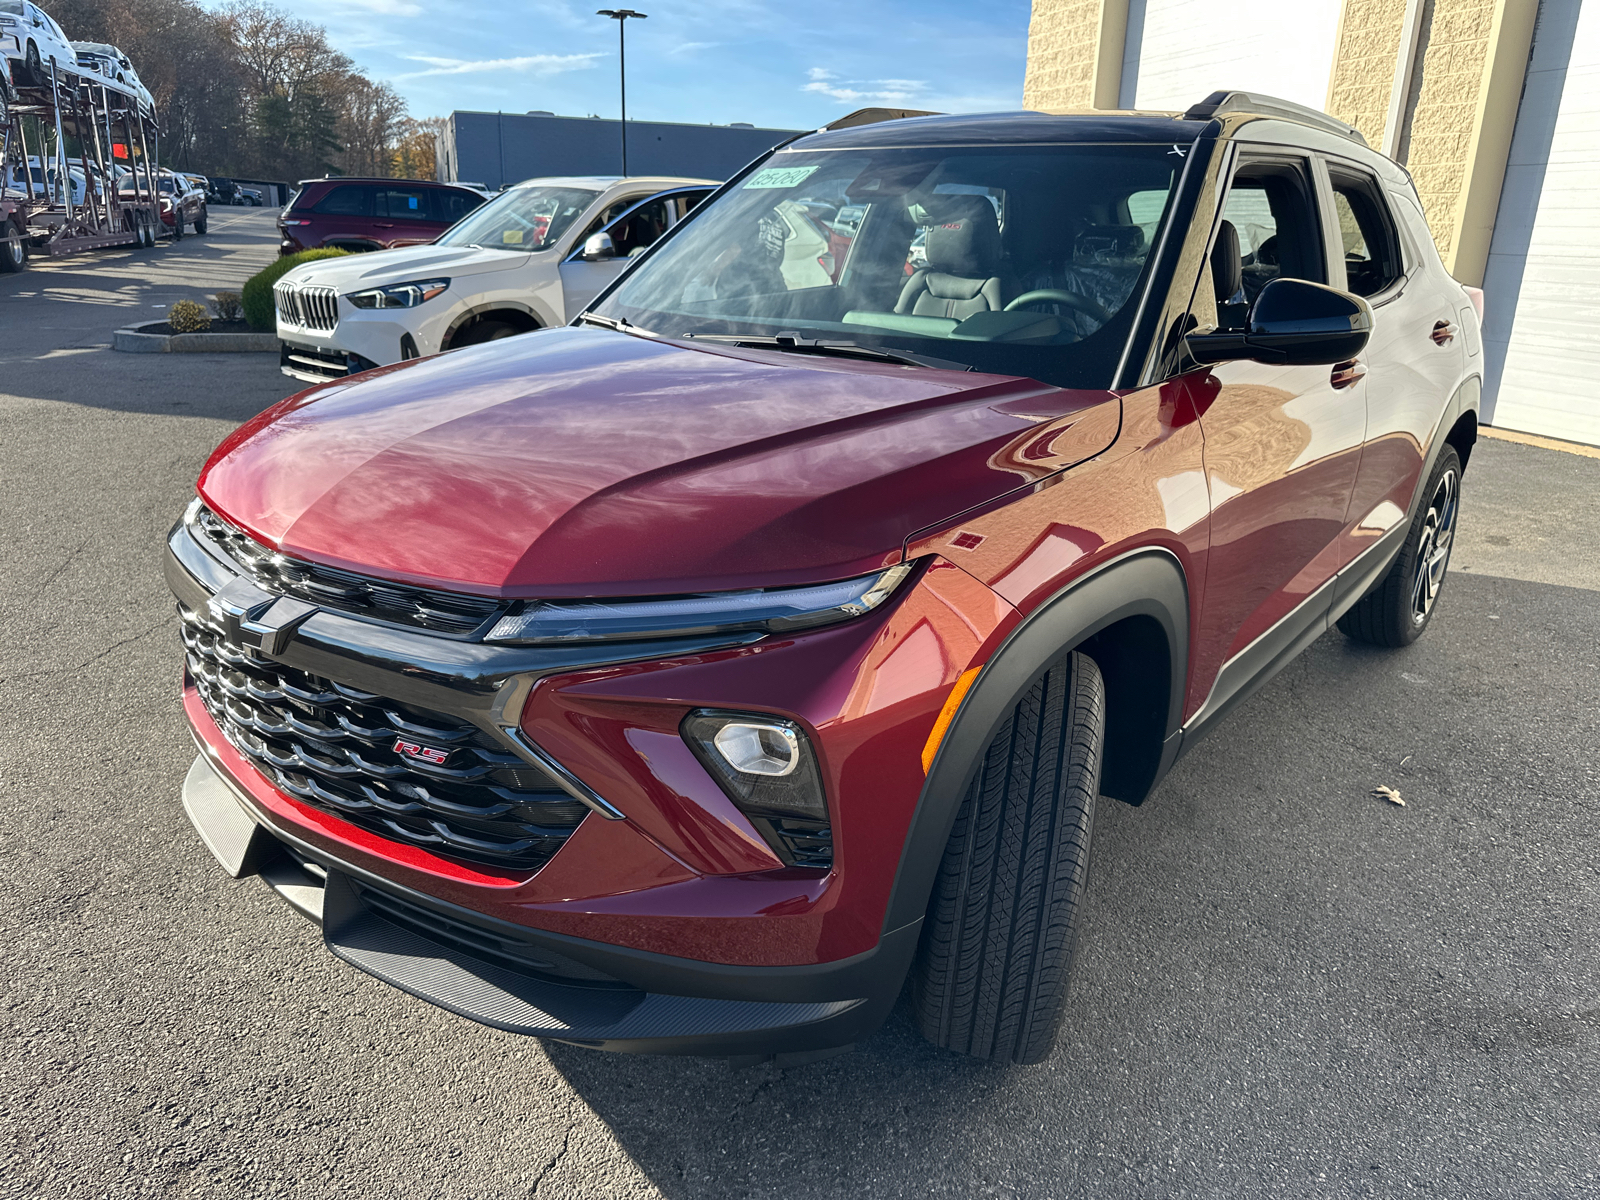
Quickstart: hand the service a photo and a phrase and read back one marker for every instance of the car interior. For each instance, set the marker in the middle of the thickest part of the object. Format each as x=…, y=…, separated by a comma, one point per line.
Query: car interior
x=1042, y=247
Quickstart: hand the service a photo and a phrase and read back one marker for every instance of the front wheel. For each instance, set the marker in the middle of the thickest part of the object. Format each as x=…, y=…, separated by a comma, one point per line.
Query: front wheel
x=35, y=67
x=991, y=974
x=487, y=331
x=1397, y=611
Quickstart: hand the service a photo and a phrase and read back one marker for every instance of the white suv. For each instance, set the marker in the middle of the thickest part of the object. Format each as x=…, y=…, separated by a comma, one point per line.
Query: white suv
x=531, y=258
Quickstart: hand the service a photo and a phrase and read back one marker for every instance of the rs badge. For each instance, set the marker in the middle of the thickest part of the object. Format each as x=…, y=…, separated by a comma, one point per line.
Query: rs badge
x=428, y=754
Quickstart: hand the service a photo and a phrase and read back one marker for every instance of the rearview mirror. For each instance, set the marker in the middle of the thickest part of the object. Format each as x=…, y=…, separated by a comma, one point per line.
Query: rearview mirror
x=1293, y=322
x=598, y=247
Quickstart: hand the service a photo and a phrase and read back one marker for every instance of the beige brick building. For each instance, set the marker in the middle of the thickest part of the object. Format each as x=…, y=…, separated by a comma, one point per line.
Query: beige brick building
x=1491, y=105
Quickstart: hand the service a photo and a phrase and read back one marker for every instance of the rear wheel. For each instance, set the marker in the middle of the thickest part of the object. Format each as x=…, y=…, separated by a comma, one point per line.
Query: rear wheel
x=1397, y=611
x=487, y=331
x=14, y=253
x=991, y=974
x=200, y=222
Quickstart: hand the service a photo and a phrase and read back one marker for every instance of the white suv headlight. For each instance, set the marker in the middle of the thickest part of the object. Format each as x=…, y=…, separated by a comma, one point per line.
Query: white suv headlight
x=399, y=295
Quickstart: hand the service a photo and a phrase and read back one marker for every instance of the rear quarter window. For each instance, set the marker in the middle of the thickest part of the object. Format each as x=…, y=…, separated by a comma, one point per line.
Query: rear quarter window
x=452, y=206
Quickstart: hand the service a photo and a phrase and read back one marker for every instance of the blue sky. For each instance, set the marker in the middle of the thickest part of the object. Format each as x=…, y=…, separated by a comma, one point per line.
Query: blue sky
x=789, y=65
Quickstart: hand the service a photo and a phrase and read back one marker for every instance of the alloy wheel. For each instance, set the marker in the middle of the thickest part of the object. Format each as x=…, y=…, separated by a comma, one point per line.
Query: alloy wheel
x=1433, y=550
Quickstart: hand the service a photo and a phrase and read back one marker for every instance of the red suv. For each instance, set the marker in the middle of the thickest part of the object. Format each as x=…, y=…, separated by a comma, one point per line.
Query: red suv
x=370, y=214
x=688, y=679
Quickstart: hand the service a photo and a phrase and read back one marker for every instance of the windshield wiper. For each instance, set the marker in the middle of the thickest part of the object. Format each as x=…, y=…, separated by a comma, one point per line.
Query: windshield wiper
x=620, y=324
x=794, y=343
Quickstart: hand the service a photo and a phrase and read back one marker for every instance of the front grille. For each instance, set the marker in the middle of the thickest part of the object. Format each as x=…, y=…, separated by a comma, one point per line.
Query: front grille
x=334, y=747
x=424, y=608
x=308, y=307
x=315, y=364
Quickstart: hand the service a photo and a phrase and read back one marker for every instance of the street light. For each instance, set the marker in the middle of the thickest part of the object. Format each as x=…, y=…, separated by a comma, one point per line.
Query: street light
x=620, y=16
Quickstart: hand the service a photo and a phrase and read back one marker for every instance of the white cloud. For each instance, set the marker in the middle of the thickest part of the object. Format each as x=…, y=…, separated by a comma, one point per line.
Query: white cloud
x=852, y=91
x=539, y=64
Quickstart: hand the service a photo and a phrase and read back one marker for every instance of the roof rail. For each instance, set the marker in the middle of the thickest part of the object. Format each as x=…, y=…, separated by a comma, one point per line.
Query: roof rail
x=871, y=116
x=1218, y=103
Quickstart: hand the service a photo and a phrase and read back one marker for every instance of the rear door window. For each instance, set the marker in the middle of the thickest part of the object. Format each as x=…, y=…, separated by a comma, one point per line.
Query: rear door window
x=1372, y=260
x=346, y=200
x=404, y=204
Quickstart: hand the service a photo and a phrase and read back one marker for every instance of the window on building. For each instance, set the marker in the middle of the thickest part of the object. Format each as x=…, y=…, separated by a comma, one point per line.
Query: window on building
x=1372, y=261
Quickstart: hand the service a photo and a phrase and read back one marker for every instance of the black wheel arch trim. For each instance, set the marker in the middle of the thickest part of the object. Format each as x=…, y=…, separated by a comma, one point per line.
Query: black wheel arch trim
x=1148, y=584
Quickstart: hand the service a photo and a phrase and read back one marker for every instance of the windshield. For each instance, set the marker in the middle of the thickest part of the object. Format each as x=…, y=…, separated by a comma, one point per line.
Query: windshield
x=11, y=6
x=524, y=218
x=1018, y=260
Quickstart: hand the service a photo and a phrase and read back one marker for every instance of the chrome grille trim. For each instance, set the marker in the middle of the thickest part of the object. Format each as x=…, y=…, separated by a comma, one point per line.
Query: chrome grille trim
x=306, y=306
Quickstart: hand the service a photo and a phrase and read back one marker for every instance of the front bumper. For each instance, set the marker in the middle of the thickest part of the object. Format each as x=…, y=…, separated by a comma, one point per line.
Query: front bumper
x=589, y=993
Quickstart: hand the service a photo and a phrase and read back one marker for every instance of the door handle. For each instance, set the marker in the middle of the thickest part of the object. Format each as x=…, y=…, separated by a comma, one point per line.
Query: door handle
x=1347, y=374
x=1443, y=333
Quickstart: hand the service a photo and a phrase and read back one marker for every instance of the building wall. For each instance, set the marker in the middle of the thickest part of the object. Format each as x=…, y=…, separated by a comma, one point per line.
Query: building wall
x=1542, y=287
x=1063, y=39
x=505, y=148
x=1177, y=52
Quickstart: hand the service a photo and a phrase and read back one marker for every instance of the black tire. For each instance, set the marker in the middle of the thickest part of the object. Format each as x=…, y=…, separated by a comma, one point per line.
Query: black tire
x=35, y=68
x=991, y=974
x=13, y=254
x=177, y=225
x=487, y=331
x=1397, y=611
x=201, y=221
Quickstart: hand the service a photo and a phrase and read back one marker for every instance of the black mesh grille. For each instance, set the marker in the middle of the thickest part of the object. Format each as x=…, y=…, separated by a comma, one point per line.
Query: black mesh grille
x=334, y=747
x=445, y=612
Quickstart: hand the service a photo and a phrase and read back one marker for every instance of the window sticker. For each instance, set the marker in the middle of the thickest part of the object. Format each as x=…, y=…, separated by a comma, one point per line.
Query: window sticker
x=512, y=237
x=780, y=177
x=413, y=202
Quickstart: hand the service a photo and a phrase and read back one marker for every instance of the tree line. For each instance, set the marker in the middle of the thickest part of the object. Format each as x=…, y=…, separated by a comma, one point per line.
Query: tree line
x=247, y=90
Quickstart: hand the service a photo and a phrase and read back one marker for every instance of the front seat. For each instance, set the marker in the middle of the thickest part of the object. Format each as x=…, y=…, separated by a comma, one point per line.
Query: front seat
x=964, y=262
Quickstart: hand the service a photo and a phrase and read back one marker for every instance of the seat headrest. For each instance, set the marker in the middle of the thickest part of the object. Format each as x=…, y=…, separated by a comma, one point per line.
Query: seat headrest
x=1108, y=243
x=1227, y=271
x=964, y=238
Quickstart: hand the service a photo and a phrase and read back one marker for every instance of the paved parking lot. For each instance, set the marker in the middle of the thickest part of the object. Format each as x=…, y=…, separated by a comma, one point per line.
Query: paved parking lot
x=1287, y=988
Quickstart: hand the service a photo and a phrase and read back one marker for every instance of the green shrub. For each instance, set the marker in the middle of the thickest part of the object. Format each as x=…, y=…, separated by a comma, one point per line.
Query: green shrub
x=227, y=306
x=188, y=317
x=257, y=292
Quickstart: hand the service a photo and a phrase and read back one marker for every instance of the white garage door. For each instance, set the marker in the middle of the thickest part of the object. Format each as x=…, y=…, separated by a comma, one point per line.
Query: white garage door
x=1179, y=51
x=1542, y=288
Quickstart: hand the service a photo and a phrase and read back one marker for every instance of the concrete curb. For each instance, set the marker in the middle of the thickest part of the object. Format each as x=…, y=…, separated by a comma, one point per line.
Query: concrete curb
x=133, y=340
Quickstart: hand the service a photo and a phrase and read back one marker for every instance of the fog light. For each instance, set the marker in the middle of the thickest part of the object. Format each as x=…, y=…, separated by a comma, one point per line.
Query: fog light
x=759, y=749
x=765, y=764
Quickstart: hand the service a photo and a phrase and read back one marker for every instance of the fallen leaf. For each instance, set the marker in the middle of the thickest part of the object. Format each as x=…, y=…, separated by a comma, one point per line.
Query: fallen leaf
x=1389, y=794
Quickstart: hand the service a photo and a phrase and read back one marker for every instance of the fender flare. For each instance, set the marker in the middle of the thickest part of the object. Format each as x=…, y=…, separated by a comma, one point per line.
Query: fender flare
x=1149, y=583
x=468, y=316
x=1468, y=397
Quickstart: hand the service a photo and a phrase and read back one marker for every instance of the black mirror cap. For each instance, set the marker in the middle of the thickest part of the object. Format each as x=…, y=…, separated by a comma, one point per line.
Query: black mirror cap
x=1293, y=322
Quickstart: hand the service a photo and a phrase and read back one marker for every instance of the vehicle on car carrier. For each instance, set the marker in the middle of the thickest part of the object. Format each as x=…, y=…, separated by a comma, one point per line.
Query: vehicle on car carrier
x=689, y=678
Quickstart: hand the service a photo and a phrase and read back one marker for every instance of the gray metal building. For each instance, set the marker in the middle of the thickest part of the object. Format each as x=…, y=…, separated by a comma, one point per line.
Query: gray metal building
x=502, y=148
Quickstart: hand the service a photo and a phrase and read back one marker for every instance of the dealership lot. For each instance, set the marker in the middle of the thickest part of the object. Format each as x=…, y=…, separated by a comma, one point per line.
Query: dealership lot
x=1287, y=987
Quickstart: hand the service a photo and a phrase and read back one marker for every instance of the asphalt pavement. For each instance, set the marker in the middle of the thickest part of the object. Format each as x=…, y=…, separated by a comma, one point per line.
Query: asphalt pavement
x=1286, y=988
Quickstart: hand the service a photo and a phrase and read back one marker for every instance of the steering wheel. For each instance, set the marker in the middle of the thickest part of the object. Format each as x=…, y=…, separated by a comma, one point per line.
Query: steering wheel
x=1057, y=296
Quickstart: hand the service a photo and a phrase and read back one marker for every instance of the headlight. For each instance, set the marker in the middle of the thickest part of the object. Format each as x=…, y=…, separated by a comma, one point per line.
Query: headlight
x=776, y=610
x=399, y=295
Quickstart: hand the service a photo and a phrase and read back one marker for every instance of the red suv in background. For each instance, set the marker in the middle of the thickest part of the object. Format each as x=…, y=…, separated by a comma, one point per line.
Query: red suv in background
x=690, y=678
x=371, y=214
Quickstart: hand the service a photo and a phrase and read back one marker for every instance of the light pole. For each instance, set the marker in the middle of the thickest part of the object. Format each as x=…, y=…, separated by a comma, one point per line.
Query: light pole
x=620, y=16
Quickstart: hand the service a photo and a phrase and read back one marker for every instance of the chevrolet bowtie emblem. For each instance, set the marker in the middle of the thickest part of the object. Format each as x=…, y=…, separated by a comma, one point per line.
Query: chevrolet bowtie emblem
x=258, y=619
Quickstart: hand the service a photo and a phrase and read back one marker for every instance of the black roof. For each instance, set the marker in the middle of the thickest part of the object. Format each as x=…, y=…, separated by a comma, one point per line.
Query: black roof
x=1009, y=127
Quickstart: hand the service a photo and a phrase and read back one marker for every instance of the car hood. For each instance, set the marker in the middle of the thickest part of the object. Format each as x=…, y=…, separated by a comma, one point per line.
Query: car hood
x=582, y=462
x=383, y=267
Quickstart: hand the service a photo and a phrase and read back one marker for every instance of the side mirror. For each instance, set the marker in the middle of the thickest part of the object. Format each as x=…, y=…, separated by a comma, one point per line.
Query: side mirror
x=1293, y=322
x=598, y=247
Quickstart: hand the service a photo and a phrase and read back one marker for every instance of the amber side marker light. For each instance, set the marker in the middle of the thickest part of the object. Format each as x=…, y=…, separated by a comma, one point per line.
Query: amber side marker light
x=946, y=715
